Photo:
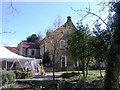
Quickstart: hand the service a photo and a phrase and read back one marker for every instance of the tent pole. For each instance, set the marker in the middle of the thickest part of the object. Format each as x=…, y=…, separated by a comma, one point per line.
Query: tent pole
x=20, y=64
x=30, y=64
x=12, y=65
x=6, y=65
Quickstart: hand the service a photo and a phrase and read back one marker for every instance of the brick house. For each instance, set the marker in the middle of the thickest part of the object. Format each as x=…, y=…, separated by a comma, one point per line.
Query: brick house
x=56, y=41
x=29, y=49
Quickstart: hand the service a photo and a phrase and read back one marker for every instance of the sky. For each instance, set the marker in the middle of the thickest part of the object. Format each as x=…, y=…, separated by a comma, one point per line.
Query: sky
x=36, y=17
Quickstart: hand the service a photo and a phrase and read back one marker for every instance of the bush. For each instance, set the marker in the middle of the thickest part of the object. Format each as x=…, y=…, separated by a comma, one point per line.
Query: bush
x=68, y=75
x=66, y=85
x=8, y=77
x=80, y=83
x=96, y=84
x=22, y=74
x=9, y=86
x=90, y=84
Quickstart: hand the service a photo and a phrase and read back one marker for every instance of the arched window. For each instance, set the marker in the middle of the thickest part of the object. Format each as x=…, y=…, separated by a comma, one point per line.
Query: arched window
x=62, y=44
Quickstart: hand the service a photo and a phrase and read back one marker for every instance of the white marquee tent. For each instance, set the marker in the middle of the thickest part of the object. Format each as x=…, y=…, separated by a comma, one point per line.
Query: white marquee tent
x=8, y=56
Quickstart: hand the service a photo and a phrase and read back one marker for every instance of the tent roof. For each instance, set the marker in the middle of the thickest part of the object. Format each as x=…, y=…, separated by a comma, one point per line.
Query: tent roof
x=7, y=54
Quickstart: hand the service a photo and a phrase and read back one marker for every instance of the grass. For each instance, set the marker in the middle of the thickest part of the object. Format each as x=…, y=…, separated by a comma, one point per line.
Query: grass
x=93, y=75
x=92, y=81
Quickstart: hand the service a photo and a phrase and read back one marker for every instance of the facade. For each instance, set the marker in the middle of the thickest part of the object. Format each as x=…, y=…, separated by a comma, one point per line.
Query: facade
x=55, y=43
x=29, y=49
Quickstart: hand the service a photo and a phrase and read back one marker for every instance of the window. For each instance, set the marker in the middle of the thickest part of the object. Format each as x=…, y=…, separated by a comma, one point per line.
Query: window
x=64, y=32
x=76, y=64
x=26, y=52
x=62, y=44
x=63, y=61
x=31, y=52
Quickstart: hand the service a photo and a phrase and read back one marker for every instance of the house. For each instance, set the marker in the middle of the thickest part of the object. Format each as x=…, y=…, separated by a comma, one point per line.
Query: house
x=29, y=49
x=55, y=43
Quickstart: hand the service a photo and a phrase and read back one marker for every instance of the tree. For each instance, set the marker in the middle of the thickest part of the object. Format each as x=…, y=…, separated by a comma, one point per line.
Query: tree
x=101, y=44
x=112, y=71
x=54, y=48
x=54, y=41
x=79, y=47
x=56, y=24
x=33, y=38
x=52, y=45
x=13, y=9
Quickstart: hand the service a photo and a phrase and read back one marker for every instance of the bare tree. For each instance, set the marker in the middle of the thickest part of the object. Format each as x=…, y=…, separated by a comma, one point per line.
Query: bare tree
x=54, y=44
x=54, y=41
x=57, y=22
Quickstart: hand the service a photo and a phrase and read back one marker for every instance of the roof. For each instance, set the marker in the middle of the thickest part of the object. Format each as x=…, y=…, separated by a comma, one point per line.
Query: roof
x=29, y=45
x=13, y=49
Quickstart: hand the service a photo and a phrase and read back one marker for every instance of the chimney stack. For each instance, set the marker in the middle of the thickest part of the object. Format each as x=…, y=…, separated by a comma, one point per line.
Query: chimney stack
x=69, y=19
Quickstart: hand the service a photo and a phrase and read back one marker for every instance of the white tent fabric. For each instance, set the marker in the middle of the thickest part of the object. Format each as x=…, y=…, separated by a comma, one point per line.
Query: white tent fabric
x=7, y=55
x=24, y=62
x=36, y=65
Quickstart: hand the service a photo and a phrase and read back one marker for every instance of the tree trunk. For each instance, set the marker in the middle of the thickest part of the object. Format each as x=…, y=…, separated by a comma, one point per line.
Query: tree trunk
x=54, y=64
x=112, y=72
x=87, y=66
x=101, y=73
x=83, y=72
x=100, y=69
x=53, y=67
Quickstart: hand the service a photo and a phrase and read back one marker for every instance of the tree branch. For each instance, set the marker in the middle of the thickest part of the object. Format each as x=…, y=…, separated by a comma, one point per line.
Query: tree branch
x=90, y=13
x=12, y=8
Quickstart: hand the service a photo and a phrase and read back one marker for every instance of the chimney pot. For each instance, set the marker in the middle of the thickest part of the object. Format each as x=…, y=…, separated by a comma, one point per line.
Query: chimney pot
x=69, y=18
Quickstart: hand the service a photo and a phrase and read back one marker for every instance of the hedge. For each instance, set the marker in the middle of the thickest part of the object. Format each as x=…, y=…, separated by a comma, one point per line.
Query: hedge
x=68, y=75
x=23, y=74
x=7, y=80
x=8, y=77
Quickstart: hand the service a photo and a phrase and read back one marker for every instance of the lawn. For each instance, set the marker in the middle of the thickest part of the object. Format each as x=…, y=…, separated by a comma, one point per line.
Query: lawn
x=91, y=73
x=72, y=80
x=68, y=79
